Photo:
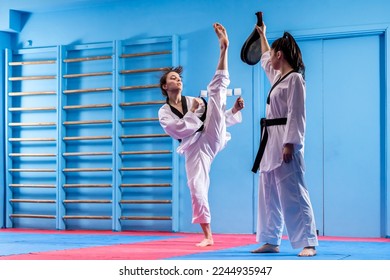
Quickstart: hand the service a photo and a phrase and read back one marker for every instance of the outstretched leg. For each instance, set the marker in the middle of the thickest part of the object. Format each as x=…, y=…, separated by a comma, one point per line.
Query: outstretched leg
x=215, y=124
x=223, y=44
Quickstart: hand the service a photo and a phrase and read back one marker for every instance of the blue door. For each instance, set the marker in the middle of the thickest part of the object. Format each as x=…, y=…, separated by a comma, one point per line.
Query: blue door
x=344, y=139
x=352, y=137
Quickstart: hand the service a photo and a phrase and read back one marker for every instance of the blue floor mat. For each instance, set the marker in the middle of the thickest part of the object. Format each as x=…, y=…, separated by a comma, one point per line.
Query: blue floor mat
x=328, y=250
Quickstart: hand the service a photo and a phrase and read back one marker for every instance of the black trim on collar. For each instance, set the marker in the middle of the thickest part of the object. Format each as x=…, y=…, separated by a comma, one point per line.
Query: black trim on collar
x=275, y=84
x=184, y=107
x=185, y=110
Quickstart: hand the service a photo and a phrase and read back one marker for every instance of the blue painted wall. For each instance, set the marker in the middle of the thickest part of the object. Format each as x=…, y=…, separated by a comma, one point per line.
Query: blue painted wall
x=233, y=186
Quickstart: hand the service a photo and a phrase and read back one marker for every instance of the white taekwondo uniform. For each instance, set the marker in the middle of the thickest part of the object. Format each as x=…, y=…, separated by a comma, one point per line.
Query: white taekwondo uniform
x=283, y=196
x=201, y=147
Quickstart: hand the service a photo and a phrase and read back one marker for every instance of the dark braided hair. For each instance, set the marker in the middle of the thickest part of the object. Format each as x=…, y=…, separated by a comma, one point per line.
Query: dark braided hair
x=291, y=51
x=163, y=79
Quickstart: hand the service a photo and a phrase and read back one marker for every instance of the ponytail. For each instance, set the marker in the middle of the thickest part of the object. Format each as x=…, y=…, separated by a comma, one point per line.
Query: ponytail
x=291, y=51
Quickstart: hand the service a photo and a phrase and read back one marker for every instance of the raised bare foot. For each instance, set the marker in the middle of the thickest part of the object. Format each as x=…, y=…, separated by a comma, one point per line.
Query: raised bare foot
x=267, y=248
x=309, y=251
x=205, y=242
x=222, y=35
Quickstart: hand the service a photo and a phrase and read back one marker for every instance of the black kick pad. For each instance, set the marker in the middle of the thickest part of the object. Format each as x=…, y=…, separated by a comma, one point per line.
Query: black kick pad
x=251, y=50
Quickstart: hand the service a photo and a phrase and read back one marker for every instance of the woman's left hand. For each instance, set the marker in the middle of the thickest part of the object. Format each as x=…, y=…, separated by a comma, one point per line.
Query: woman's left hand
x=288, y=151
x=238, y=105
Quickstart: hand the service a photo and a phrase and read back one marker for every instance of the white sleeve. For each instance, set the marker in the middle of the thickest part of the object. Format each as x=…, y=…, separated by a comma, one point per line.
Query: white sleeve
x=178, y=128
x=267, y=66
x=232, y=119
x=296, y=115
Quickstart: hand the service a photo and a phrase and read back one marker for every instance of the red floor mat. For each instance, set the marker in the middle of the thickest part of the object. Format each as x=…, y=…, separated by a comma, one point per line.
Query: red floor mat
x=184, y=244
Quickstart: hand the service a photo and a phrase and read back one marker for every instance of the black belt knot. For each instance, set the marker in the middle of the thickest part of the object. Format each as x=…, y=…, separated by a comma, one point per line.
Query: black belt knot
x=264, y=138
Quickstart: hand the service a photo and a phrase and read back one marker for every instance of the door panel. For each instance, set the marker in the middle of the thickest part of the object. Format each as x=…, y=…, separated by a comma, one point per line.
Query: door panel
x=352, y=136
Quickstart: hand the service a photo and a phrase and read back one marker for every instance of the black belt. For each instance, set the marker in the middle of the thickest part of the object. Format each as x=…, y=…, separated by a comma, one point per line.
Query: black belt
x=264, y=123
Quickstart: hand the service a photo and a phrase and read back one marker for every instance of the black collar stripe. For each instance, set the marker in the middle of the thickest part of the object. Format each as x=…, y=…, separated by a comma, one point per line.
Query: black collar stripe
x=185, y=110
x=275, y=84
x=184, y=107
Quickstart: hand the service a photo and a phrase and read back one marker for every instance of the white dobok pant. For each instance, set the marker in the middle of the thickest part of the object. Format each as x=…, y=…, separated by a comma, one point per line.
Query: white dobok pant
x=284, y=200
x=199, y=157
